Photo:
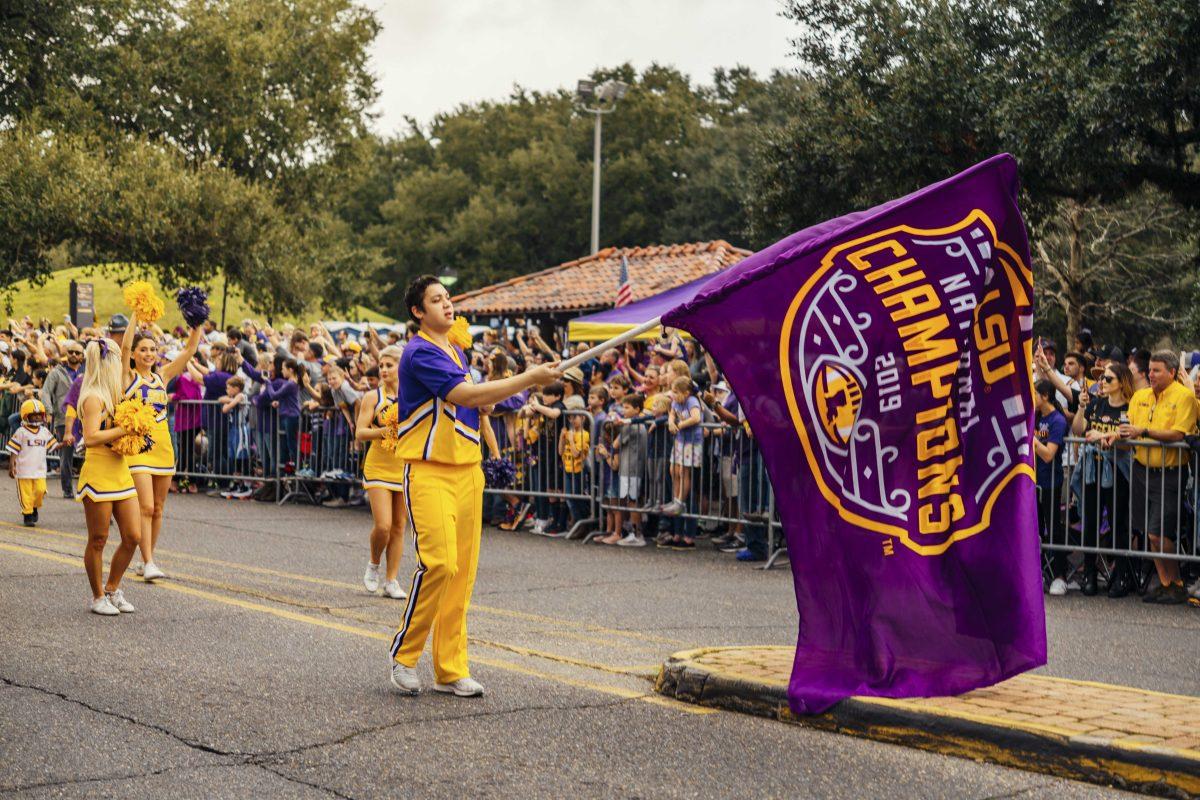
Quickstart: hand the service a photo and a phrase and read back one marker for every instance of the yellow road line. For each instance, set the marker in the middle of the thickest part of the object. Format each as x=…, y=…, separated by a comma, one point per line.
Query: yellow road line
x=637, y=670
x=495, y=611
x=364, y=632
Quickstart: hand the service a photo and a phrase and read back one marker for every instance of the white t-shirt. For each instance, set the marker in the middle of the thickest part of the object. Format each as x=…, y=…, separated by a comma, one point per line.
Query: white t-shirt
x=28, y=447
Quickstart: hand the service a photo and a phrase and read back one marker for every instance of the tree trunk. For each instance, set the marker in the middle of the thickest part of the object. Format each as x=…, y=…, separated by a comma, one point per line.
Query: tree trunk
x=1074, y=269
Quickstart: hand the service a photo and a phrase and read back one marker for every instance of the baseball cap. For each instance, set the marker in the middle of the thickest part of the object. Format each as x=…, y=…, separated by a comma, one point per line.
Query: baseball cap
x=118, y=324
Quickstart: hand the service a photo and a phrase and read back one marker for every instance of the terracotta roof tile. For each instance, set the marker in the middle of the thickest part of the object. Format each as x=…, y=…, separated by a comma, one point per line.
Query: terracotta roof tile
x=590, y=283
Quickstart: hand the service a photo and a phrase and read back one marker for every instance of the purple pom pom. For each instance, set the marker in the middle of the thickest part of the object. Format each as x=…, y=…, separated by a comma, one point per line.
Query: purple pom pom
x=498, y=473
x=193, y=304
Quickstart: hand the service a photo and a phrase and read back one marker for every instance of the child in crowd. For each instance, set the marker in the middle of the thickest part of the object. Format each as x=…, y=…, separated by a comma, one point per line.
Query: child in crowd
x=236, y=406
x=598, y=400
x=545, y=412
x=609, y=468
x=631, y=447
x=574, y=444
x=27, y=449
x=618, y=387
x=686, y=451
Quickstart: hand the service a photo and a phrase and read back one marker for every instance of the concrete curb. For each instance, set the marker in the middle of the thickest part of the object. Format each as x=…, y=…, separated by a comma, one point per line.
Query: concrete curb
x=1159, y=771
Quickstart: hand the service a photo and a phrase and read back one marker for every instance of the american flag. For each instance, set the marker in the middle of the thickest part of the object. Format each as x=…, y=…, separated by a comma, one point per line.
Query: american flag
x=624, y=287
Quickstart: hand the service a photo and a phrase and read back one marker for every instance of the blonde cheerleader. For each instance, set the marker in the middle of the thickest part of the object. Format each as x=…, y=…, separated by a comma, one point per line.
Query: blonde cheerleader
x=383, y=475
x=153, y=470
x=105, y=486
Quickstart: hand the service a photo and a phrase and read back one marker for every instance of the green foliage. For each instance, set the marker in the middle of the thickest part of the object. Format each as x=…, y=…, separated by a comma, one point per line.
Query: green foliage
x=48, y=298
x=501, y=189
x=1094, y=99
x=191, y=135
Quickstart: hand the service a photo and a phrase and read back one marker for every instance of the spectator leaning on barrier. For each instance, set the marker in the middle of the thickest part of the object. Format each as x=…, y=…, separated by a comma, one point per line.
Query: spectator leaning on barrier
x=573, y=390
x=1164, y=412
x=1103, y=474
x=1050, y=433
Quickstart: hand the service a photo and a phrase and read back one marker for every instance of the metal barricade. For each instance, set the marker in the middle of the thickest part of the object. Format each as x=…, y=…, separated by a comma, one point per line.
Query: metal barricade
x=554, y=483
x=1135, y=501
x=719, y=479
x=221, y=448
x=328, y=459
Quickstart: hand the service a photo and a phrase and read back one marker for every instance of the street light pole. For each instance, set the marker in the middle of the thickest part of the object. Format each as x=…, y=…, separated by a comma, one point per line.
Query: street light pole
x=596, y=184
x=605, y=96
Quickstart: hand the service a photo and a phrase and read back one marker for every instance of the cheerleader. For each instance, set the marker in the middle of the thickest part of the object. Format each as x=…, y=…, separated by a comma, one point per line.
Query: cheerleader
x=105, y=486
x=153, y=470
x=383, y=478
x=443, y=486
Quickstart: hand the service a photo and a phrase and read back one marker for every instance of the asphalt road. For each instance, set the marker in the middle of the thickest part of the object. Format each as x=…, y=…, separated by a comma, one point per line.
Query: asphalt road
x=260, y=669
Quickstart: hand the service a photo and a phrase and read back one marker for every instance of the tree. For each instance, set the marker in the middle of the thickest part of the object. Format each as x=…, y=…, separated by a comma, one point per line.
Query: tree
x=1094, y=99
x=140, y=203
x=1126, y=264
x=210, y=104
x=498, y=189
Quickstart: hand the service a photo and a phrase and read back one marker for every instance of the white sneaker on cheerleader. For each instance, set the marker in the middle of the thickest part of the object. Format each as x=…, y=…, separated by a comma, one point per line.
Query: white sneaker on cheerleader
x=463, y=687
x=103, y=607
x=392, y=589
x=151, y=572
x=371, y=578
x=405, y=679
x=118, y=600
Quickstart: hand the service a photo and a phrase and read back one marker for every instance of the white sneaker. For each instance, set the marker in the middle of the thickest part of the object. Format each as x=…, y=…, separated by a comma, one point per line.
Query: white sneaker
x=1195, y=590
x=632, y=540
x=463, y=687
x=392, y=589
x=539, y=527
x=371, y=578
x=103, y=607
x=117, y=598
x=405, y=679
x=151, y=572
x=141, y=569
x=242, y=493
x=673, y=508
x=1058, y=587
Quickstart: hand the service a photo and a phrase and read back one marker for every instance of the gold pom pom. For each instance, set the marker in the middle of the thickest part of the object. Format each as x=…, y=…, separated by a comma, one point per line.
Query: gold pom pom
x=132, y=445
x=391, y=428
x=135, y=417
x=140, y=296
x=460, y=333
x=391, y=416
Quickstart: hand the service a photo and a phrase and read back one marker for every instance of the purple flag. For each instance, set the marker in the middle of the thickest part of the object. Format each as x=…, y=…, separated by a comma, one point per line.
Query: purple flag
x=883, y=360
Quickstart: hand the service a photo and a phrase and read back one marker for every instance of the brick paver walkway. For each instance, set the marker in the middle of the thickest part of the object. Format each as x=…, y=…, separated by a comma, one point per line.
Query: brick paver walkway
x=1074, y=709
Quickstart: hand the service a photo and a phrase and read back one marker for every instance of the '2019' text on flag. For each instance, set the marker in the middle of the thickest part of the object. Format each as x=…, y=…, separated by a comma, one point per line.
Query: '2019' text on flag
x=883, y=362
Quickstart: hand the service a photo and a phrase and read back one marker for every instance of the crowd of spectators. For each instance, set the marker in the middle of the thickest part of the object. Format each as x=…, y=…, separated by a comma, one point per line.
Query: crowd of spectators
x=1115, y=433
x=652, y=430
x=639, y=426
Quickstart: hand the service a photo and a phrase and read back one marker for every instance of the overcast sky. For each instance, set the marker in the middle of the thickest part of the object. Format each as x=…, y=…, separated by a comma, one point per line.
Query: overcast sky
x=435, y=54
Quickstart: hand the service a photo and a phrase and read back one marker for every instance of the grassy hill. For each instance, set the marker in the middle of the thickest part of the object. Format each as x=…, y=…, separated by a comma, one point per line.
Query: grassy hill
x=52, y=300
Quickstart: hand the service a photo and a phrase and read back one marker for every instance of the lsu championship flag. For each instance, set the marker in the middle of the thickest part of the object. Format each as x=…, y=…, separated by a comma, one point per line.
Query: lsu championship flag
x=883, y=362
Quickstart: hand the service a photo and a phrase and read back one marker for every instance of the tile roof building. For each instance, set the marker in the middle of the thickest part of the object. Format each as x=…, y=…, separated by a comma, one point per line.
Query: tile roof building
x=590, y=283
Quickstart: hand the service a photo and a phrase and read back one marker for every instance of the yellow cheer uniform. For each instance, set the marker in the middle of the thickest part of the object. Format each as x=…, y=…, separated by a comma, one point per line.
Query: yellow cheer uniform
x=443, y=489
x=382, y=469
x=104, y=477
x=159, y=459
